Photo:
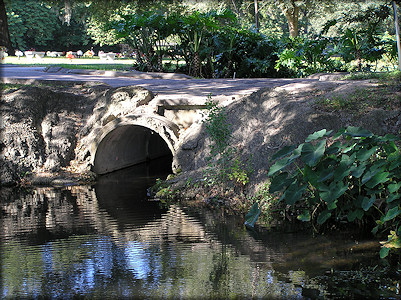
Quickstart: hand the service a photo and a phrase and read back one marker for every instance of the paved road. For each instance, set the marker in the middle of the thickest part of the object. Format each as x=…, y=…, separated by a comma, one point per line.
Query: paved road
x=167, y=87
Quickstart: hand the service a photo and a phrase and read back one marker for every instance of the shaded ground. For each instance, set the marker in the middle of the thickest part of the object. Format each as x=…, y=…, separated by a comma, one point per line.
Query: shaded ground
x=270, y=119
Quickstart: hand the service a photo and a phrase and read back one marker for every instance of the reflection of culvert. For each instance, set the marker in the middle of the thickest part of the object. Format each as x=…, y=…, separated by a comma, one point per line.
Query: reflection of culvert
x=126, y=146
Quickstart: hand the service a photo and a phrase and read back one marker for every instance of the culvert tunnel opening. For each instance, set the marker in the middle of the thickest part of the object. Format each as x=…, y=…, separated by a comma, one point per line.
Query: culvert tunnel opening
x=132, y=145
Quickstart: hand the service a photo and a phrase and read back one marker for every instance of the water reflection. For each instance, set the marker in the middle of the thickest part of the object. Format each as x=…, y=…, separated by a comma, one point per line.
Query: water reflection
x=109, y=241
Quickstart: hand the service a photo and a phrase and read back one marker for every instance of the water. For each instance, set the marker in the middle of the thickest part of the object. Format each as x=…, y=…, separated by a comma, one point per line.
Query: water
x=110, y=241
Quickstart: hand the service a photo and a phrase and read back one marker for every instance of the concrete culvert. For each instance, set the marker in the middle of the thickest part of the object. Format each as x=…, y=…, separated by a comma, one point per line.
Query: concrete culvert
x=129, y=145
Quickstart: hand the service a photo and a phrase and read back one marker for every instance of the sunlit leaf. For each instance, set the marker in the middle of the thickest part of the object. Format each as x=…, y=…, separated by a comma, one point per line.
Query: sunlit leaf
x=357, y=132
x=349, y=148
x=318, y=134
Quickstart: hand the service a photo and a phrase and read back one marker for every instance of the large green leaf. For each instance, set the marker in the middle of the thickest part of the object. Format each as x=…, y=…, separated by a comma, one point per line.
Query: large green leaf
x=287, y=150
x=357, y=132
x=341, y=171
x=370, y=174
x=312, y=154
x=368, y=202
x=357, y=171
x=358, y=213
x=323, y=216
x=310, y=175
x=279, y=182
x=377, y=179
x=279, y=165
x=391, y=214
x=318, y=134
x=394, y=187
x=395, y=164
x=390, y=147
x=333, y=191
x=349, y=148
x=334, y=148
x=393, y=197
x=294, y=193
x=252, y=215
x=384, y=252
x=365, y=153
x=326, y=174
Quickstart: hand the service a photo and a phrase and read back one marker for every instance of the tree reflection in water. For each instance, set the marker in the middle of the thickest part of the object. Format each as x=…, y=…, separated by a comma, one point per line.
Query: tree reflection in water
x=110, y=241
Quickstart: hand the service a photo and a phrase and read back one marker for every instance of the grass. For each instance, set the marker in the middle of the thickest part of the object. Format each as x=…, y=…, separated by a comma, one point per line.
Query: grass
x=386, y=95
x=381, y=76
x=120, y=64
x=77, y=63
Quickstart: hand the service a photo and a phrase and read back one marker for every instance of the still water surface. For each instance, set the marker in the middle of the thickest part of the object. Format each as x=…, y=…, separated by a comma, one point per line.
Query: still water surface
x=110, y=241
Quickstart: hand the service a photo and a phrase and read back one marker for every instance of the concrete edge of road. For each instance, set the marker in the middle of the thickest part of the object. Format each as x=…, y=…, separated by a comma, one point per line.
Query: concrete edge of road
x=109, y=73
x=69, y=83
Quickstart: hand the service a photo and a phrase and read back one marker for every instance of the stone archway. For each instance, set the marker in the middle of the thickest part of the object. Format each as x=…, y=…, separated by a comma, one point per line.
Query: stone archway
x=132, y=140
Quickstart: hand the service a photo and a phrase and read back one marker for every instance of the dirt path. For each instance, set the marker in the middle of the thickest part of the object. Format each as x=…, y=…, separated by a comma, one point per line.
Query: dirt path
x=166, y=86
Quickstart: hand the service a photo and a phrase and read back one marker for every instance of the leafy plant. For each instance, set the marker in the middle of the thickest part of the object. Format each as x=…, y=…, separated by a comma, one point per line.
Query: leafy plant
x=351, y=176
x=224, y=164
x=306, y=56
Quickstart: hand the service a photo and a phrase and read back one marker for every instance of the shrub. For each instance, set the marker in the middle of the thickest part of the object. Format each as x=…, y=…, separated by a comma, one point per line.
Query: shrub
x=352, y=176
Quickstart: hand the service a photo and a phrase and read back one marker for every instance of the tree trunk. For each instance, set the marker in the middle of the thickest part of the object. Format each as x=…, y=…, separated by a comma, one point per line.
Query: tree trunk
x=397, y=33
x=256, y=15
x=67, y=12
x=292, y=16
x=196, y=71
x=5, y=40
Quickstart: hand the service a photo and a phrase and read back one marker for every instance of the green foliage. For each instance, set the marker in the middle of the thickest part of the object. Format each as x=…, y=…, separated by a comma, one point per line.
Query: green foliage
x=225, y=166
x=352, y=176
x=31, y=24
x=37, y=25
x=306, y=56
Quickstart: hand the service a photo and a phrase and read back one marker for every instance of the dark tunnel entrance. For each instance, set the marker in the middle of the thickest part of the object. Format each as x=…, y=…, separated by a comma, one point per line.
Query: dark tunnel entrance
x=129, y=145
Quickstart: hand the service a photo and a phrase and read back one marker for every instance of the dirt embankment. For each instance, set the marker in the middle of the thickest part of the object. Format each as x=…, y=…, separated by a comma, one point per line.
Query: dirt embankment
x=42, y=126
x=270, y=119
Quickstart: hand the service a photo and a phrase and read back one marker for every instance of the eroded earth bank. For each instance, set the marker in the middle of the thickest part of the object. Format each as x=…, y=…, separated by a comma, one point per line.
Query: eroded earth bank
x=45, y=127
